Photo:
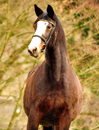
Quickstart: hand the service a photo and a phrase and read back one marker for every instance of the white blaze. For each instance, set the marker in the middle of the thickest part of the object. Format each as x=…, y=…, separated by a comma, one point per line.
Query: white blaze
x=41, y=28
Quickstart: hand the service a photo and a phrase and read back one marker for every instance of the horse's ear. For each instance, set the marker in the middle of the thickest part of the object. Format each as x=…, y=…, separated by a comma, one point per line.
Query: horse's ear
x=50, y=12
x=38, y=11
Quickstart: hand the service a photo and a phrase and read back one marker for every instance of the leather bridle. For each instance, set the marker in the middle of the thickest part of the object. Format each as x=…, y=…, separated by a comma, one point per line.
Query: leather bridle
x=46, y=40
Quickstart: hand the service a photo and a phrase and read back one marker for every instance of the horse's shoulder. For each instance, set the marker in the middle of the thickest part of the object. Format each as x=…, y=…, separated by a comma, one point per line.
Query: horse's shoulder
x=33, y=70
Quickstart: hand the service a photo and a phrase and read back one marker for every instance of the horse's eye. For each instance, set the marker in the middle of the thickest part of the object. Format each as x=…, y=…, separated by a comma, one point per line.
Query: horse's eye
x=49, y=27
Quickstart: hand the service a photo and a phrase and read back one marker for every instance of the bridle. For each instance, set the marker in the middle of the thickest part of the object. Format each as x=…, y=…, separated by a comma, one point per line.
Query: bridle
x=49, y=37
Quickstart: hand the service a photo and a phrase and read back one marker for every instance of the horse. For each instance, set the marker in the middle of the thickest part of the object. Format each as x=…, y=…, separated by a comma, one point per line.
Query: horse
x=53, y=93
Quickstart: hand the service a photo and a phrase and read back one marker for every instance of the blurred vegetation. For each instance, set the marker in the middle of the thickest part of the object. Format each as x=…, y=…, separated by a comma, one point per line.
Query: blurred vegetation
x=80, y=20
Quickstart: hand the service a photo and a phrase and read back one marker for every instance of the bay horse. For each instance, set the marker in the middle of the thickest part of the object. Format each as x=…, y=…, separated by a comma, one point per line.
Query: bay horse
x=53, y=93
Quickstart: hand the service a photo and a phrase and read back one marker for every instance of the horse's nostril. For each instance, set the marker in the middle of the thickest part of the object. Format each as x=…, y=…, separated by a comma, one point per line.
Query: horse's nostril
x=34, y=50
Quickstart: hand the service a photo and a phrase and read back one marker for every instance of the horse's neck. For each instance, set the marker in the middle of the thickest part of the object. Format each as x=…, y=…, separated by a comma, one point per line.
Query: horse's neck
x=56, y=56
x=56, y=61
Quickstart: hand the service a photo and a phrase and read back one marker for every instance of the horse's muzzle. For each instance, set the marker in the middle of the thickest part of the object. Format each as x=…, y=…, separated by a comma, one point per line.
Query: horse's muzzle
x=33, y=52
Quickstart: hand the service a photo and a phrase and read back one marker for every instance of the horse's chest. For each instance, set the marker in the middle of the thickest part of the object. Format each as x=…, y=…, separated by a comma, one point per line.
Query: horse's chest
x=53, y=100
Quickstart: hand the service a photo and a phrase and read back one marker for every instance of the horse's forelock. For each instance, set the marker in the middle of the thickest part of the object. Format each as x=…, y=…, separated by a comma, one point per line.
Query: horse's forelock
x=44, y=16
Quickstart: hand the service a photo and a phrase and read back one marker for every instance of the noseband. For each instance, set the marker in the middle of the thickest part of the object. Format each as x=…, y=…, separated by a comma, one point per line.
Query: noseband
x=49, y=37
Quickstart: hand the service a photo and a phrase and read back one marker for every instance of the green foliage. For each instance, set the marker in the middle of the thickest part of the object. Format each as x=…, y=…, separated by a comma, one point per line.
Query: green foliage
x=80, y=20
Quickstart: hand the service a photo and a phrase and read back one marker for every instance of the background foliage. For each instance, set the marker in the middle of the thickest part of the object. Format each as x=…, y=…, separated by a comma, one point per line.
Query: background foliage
x=80, y=20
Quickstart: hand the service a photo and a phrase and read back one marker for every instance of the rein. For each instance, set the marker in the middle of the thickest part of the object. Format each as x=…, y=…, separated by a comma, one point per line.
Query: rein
x=48, y=39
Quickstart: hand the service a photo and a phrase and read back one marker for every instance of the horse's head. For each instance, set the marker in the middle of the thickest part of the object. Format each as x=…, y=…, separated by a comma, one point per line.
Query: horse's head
x=44, y=31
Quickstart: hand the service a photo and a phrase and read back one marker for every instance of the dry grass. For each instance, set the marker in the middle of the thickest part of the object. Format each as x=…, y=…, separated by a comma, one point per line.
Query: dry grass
x=80, y=20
